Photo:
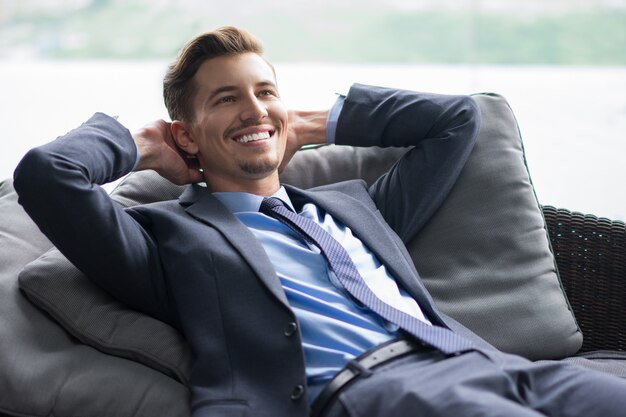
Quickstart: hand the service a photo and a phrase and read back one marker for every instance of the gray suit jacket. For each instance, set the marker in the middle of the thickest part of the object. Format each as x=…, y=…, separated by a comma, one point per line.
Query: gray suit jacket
x=192, y=264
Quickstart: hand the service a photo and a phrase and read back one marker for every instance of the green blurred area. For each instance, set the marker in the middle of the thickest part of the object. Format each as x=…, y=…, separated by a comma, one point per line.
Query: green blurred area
x=136, y=29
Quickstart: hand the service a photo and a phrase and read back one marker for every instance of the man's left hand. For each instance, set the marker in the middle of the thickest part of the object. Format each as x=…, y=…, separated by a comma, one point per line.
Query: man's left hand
x=305, y=128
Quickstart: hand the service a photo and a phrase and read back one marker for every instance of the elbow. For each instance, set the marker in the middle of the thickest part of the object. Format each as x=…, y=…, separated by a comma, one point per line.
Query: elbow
x=470, y=116
x=35, y=177
x=28, y=173
x=469, y=108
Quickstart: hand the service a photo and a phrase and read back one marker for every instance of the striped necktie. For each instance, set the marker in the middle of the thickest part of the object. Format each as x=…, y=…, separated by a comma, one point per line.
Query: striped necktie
x=339, y=261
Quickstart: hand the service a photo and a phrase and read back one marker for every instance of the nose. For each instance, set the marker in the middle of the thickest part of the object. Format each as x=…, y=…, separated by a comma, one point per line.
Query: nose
x=253, y=109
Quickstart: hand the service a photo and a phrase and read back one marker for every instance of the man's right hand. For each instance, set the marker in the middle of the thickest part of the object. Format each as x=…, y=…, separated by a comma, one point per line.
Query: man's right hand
x=158, y=151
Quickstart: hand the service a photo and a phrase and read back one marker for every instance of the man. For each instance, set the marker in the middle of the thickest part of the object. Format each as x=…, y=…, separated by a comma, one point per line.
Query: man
x=281, y=317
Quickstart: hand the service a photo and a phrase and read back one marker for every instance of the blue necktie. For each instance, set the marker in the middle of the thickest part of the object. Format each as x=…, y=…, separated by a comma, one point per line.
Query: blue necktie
x=339, y=261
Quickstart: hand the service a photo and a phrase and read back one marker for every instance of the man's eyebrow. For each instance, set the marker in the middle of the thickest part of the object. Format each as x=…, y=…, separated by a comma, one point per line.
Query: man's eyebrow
x=220, y=90
x=230, y=88
x=266, y=83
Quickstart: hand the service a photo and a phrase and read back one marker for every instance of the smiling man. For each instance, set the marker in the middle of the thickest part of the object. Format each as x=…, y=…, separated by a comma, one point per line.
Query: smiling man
x=238, y=125
x=295, y=302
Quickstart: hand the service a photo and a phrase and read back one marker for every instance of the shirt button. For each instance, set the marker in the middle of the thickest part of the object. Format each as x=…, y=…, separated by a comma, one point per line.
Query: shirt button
x=298, y=392
x=291, y=329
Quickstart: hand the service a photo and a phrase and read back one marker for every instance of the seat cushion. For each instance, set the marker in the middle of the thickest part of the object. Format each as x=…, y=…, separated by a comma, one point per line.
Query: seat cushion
x=607, y=361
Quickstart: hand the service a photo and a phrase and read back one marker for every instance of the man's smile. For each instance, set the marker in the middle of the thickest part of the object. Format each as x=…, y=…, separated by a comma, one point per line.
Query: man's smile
x=253, y=134
x=253, y=137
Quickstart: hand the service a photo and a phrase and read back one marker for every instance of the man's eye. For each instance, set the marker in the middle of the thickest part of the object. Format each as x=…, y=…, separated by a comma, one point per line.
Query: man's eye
x=266, y=93
x=226, y=99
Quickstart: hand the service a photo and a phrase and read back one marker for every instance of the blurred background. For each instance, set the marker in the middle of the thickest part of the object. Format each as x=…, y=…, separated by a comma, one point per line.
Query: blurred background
x=560, y=63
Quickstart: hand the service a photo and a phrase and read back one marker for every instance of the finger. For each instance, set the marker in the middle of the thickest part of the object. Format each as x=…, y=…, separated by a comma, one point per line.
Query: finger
x=195, y=176
x=192, y=161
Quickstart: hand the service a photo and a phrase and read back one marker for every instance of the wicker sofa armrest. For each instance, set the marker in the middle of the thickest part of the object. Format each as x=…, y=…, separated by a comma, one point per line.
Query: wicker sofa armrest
x=591, y=256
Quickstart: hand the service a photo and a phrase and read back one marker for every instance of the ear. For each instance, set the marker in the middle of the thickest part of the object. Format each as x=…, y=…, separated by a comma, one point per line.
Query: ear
x=183, y=137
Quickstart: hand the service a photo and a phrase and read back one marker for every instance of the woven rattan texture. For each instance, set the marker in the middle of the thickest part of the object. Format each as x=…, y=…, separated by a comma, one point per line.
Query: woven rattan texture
x=591, y=256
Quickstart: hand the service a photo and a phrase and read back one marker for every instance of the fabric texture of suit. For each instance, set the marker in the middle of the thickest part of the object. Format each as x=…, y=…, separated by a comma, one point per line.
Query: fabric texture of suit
x=192, y=264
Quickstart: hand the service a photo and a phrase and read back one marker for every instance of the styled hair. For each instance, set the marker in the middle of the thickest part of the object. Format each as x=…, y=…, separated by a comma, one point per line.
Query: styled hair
x=178, y=84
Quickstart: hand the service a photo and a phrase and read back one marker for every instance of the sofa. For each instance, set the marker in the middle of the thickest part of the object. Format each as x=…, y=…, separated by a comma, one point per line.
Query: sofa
x=541, y=282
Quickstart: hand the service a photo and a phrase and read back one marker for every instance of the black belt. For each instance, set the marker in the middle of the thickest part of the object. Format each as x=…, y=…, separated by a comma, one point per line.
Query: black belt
x=361, y=367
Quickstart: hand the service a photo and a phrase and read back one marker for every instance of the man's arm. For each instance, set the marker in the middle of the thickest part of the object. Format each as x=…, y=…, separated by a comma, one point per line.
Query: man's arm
x=57, y=186
x=441, y=128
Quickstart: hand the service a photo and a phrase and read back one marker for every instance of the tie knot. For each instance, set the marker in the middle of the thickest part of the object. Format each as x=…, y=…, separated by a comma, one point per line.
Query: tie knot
x=270, y=203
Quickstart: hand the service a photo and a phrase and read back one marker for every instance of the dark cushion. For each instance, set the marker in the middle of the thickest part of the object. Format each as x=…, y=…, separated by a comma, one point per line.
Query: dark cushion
x=607, y=361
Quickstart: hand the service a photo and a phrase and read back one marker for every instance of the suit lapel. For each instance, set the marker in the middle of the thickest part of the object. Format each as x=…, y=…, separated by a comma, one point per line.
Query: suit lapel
x=203, y=206
x=364, y=223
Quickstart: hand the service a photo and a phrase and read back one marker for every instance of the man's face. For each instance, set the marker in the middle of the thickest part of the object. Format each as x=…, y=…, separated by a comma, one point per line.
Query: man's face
x=240, y=123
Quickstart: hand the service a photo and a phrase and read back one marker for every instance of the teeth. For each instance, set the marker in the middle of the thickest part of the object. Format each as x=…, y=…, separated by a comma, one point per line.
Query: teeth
x=254, y=136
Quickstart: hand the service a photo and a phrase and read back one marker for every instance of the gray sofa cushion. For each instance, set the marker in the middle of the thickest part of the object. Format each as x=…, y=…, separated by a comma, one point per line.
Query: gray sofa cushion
x=485, y=255
x=610, y=362
x=44, y=371
x=97, y=319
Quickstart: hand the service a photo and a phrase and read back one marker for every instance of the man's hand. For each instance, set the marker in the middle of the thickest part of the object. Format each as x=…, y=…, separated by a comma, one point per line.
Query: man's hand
x=158, y=151
x=305, y=128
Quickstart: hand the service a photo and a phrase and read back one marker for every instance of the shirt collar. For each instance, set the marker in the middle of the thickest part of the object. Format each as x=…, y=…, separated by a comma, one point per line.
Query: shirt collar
x=238, y=202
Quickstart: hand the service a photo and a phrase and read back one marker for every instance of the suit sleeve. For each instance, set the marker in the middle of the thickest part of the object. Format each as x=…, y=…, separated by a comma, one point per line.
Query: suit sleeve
x=441, y=129
x=57, y=185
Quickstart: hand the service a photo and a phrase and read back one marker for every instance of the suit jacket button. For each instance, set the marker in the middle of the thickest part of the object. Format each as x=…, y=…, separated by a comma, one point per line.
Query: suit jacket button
x=291, y=329
x=298, y=392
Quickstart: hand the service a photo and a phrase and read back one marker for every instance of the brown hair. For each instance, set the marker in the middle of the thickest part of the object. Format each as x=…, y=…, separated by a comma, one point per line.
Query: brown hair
x=178, y=86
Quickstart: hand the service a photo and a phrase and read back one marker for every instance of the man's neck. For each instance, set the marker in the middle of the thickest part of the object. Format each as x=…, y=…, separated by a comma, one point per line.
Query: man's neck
x=263, y=187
